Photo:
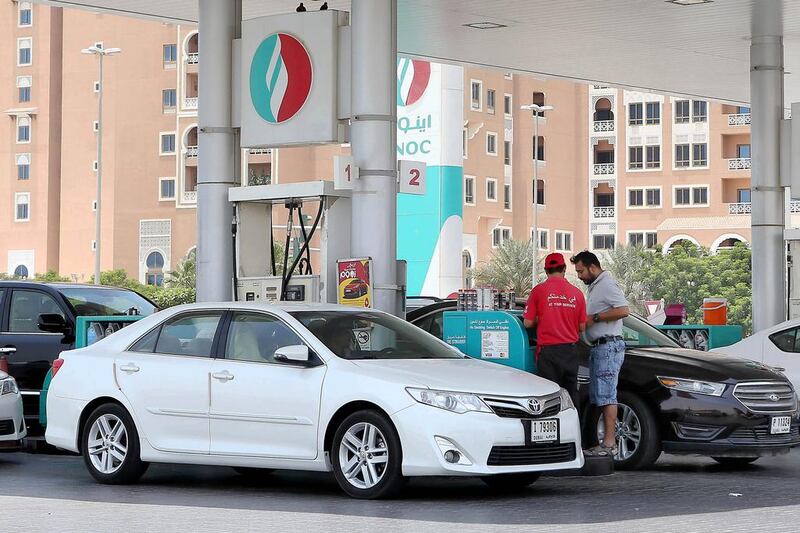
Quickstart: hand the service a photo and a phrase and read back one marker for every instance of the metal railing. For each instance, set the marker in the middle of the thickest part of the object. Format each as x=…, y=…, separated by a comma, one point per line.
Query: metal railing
x=739, y=119
x=604, y=169
x=740, y=163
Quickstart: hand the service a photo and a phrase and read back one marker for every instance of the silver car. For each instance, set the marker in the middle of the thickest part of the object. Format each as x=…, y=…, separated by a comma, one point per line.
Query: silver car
x=12, y=425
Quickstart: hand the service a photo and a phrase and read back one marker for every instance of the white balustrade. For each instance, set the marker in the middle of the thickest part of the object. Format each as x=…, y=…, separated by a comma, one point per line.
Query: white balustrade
x=193, y=58
x=604, y=212
x=740, y=208
x=191, y=151
x=190, y=102
x=739, y=119
x=604, y=169
x=603, y=125
x=740, y=163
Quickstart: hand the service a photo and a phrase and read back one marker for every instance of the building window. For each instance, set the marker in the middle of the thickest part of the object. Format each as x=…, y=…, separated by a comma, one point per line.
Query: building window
x=635, y=157
x=653, y=157
x=700, y=196
x=538, y=154
x=636, y=198
x=507, y=103
x=500, y=235
x=538, y=99
x=490, y=97
x=507, y=197
x=540, y=192
x=167, y=143
x=22, y=200
x=691, y=196
x=24, y=55
x=635, y=115
x=653, y=197
x=477, y=90
x=169, y=98
x=25, y=14
x=699, y=111
x=23, y=166
x=155, y=269
x=23, y=130
x=644, y=239
x=506, y=152
x=166, y=189
x=491, y=143
x=170, y=53
x=21, y=272
x=544, y=237
x=603, y=242
x=743, y=151
x=464, y=143
x=24, y=94
x=95, y=126
x=653, y=113
x=466, y=265
x=491, y=189
x=681, y=155
x=563, y=241
x=681, y=111
x=469, y=190
x=24, y=88
x=743, y=196
x=700, y=155
x=604, y=199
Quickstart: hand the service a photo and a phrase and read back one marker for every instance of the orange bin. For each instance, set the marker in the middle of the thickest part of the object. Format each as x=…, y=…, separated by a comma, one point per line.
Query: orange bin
x=715, y=311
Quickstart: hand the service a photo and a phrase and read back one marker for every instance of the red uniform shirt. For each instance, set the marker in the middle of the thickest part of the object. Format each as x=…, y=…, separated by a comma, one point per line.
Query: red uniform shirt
x=560, y=308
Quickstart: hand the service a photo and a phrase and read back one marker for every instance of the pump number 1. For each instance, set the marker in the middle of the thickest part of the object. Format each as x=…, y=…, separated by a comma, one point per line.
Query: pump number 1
x=412, y=177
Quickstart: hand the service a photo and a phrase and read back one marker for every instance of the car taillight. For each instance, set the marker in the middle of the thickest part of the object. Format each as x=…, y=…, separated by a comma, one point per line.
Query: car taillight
x=57, y=364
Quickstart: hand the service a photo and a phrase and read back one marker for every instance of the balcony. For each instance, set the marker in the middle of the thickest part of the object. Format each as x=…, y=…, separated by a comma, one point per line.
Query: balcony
x=604, y=169
x=742, y=208
x=190, y=102
x=189, y=197
x=602, y=126
x=739, y=119
x=191, y=151
x=740, y=163
x=603, y=212
x=259, y=151
x=193, y=58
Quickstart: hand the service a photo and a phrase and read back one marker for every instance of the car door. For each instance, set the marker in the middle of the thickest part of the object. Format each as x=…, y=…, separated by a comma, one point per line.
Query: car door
x=782, y=349
x=260, y=406
x=165, y=377
x=29, y=350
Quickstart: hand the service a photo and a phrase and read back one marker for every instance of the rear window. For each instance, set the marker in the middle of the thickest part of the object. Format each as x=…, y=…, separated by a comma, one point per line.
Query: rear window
x=88, y=301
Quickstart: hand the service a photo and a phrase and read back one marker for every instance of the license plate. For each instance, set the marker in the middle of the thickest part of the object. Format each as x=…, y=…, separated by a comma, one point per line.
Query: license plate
x=780, y=425
x=540, y=430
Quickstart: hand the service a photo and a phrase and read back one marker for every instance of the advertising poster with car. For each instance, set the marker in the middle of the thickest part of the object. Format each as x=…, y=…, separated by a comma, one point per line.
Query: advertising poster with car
x=355, y=282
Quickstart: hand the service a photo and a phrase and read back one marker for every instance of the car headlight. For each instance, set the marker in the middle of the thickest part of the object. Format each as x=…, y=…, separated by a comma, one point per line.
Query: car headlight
x=456, y=402
x=566, y=400
x=709, y=388
x=8, y=386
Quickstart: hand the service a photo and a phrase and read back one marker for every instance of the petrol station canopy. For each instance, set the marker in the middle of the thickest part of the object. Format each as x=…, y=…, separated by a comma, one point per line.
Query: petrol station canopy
x=680, y=46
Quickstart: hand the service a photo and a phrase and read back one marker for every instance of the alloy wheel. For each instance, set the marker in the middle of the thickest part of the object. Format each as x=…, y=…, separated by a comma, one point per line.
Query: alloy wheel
x=628, y=431
x=107, y=443
x=363, y=455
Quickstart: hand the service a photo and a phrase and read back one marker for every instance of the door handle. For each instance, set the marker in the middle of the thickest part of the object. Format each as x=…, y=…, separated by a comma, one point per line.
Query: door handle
x=129, y=368
x=222, y=376
x=8, y=349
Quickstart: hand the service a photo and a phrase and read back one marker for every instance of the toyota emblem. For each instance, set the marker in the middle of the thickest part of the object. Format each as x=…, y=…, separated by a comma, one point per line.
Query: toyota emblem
x=535, y=406
x=773, y=397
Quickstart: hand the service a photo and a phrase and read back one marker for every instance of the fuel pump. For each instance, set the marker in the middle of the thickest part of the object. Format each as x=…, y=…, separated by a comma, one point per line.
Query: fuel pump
x=257, y=276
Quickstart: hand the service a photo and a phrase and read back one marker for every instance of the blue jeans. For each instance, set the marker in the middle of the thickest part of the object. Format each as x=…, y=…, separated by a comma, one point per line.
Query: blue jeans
x=605, y=363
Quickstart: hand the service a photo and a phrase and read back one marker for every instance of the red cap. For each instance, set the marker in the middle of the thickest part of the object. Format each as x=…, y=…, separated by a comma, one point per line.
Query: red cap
x=554, y=261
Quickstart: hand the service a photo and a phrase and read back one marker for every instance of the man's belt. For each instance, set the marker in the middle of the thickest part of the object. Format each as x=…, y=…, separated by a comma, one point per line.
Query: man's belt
x=607, y=339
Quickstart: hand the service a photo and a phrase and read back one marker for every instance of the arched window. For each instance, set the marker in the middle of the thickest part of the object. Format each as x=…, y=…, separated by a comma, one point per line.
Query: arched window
x=21, y=272
x=602, y=110
x=155, y=269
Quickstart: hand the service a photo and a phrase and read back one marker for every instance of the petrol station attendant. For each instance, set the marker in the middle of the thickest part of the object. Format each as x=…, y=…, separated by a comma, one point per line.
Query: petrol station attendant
x=557, y=310
x=606, y=307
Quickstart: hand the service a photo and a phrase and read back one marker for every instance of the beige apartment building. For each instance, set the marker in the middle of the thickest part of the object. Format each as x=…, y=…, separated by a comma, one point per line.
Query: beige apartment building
x=615, y=166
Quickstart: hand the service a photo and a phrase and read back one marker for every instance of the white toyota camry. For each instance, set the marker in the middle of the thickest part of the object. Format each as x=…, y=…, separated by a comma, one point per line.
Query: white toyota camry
x=304, y=387
x=12, y=426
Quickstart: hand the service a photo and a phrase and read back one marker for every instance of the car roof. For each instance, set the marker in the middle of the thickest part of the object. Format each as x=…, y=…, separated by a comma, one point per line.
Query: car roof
x=59, y=285
x=273, y=306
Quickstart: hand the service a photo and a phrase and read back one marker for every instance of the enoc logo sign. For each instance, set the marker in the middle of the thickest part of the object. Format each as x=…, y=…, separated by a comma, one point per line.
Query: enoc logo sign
x=280, y=77
x=413, y=76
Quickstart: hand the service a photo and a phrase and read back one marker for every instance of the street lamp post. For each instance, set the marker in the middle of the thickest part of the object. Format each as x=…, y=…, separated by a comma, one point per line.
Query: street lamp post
x=100, y=53
x=536, y=109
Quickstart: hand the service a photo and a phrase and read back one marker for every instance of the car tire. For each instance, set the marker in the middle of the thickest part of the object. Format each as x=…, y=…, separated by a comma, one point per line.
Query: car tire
x=643, y=420
x=253, y=473
x=511, y=482
x=110, y=446
x=350, y=456
x=735, y=462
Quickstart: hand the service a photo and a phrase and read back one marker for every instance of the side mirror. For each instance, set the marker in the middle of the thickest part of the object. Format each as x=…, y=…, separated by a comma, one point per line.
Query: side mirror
x=296, y=354
x=53, y=323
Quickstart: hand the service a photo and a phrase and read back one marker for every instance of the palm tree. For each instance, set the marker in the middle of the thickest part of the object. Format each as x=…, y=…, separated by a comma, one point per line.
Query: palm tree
x=185, y=275
x=510, y=267
x=628, y=264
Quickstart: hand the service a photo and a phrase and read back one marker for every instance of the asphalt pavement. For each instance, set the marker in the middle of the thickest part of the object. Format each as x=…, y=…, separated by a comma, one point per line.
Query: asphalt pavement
x=40, y=492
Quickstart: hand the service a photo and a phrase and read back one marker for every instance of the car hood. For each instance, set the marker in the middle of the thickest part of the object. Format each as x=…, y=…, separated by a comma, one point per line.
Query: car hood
x=704, y=365
x=462, y=375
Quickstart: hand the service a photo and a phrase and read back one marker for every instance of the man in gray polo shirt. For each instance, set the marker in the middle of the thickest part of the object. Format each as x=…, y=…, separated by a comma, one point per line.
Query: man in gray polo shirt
x=606, y=306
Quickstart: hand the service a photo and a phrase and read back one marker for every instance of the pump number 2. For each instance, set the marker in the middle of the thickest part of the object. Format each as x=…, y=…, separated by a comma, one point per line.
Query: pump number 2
x=412, y=177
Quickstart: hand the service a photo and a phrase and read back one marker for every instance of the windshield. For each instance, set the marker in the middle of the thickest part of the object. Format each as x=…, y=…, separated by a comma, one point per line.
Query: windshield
x=106, y=302
x=370, y=335
x=637, y=332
